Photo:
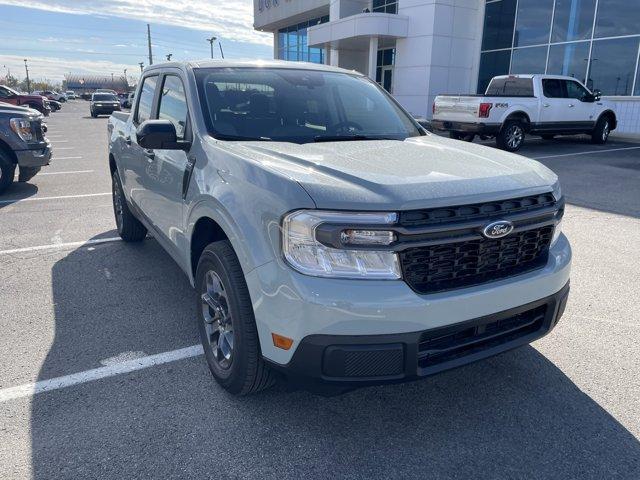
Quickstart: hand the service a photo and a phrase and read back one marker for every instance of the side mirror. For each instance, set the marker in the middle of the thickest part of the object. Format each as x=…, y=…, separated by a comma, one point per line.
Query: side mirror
x=597, y=94
x=159, y=134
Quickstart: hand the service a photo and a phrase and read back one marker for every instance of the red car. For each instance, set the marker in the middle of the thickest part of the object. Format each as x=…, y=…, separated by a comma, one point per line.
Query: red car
x=37, y=102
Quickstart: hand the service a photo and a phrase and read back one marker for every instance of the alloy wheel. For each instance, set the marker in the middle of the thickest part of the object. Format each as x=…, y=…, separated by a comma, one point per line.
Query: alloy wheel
x=218, y=324
x=118, y=208
x=514, y=136
x=605, y=131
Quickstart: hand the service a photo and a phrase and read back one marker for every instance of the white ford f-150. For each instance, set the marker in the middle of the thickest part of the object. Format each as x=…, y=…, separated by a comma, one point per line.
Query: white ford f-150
x=515, y=105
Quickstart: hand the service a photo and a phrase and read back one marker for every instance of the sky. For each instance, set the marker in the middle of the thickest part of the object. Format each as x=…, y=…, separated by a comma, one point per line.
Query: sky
x=107, y=36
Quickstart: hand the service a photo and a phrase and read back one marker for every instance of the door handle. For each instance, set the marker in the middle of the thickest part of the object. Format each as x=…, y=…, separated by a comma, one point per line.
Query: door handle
x=546, y=105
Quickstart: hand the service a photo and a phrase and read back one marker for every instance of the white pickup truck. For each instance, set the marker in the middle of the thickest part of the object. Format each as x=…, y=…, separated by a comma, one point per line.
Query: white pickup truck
x=515, y=105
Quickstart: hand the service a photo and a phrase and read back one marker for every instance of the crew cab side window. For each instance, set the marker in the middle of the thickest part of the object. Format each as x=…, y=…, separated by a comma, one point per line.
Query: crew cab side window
x=173, y=104
x=145, y=102
x=575, y=90
x=554, y=88
x=4, y=93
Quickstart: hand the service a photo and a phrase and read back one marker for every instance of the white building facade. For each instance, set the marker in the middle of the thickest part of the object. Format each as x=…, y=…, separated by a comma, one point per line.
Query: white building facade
x=417, y=49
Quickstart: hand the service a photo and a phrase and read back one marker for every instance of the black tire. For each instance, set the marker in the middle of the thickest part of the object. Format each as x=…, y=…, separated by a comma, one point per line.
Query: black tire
x=93, y=115
x=245, y=372
x=548, y=137
x=600, y=133
x=129, y=227
x=7, y=171
x=511, y=136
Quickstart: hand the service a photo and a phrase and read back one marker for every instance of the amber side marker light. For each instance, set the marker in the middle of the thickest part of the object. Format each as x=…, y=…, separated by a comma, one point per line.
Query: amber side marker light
x=282, y=342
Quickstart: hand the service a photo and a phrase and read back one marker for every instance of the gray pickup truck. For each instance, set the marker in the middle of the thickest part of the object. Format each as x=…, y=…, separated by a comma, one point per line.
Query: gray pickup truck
x=330, y=239
x=22, y=144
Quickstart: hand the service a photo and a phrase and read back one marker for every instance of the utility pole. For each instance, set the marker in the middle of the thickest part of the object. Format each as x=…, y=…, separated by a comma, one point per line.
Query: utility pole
x=149, y=43
x=27, y=70
x=211, y=40
x=141, y=66
x=169, y=55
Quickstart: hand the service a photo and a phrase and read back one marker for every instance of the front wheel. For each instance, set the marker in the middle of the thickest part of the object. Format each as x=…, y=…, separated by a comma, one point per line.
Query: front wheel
x=226, y=322
x=511, y=136
x=7, y=171
x=600, y=133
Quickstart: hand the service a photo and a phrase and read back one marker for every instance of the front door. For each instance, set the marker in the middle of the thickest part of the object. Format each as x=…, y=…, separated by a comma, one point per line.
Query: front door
x=165, y=169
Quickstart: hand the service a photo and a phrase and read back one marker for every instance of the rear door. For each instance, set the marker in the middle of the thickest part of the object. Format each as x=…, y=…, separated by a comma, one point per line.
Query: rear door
x=165, y=169
x=555, y=112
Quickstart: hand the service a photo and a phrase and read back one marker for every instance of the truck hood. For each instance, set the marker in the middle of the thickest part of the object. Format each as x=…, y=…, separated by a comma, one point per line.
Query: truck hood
x=15, y=110
x=419, y=172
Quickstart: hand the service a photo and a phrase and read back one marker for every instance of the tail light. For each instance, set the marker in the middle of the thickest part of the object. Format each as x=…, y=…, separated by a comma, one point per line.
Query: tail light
x=485, y=108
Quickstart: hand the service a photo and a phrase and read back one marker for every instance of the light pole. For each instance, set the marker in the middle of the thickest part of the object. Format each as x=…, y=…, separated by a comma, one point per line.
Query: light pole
x=141, y=66
x=26, y=69
x=211, y=40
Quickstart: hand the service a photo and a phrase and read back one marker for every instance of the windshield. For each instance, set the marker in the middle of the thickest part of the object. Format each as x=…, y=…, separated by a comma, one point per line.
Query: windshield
x=298, y=106
x=104, y=97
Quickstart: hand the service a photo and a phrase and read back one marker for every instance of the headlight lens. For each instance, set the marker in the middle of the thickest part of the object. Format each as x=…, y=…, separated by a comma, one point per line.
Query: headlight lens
x=556, y=232
x=307, y=255
x=22, y=128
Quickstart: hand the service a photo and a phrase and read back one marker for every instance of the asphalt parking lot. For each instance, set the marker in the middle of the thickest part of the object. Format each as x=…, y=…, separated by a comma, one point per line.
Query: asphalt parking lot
x=566, y=407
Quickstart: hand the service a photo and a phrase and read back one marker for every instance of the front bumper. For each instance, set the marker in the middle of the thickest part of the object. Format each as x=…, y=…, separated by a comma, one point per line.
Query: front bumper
x=346, y=361
x=466, y=127
x=38, y=155
x=300, y=307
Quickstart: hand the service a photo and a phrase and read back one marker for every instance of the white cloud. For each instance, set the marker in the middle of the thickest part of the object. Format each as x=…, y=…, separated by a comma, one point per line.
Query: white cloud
x=228, y=19
x=53, y=69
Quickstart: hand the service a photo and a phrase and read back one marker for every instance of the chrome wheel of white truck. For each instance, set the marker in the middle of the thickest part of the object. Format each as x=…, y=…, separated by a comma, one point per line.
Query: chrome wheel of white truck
x=511, y=137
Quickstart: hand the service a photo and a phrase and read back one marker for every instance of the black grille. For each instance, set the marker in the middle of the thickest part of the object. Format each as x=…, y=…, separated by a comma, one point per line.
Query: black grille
x=434, y=216
x=435, y=348
x=435, y=268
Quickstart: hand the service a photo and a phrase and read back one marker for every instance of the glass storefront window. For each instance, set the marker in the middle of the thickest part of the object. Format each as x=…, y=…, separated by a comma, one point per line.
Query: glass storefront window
x=569, y=59
x=612, y=66
x=492, y=64
x=529, y=60
x=498, y=24
x=384, y=68
x=573, y=20
x=292, y=43
x=617, y=17
x=533, y=22
x=385, y=6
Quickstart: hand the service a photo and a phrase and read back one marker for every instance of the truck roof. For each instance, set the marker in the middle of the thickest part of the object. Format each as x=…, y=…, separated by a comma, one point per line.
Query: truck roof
x=535, y=75
x=207, y=63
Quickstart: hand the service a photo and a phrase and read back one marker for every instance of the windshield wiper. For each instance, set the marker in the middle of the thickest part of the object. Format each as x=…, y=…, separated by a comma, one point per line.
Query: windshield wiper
x=346, y=138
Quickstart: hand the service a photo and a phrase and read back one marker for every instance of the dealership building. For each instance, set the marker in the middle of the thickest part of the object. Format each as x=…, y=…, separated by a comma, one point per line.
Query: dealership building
x=417, y=49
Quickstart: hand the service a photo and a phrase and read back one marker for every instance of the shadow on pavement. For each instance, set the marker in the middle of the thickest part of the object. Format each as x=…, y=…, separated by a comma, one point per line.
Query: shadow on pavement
x=512, y=416
x=17, y=191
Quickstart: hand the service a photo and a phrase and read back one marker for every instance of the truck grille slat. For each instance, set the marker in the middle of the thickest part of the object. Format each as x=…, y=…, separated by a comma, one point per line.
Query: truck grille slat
x=456, y=343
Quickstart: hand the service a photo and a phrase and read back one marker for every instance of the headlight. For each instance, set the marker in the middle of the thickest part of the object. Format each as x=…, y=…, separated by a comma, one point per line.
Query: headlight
x=556, y=232
x=307, y=255
x=22, y=127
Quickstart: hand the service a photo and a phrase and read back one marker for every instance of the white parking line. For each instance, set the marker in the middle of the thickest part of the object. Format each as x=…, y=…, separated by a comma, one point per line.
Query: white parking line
x=65, y=158
x=65, y=148
x=59, y=197
x=60, y=141
x=66, y=173
x=586, y=153
x=60, y=246
x=42, y=386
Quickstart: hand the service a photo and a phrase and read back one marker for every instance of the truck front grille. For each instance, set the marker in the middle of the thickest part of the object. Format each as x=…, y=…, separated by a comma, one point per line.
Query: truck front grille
x=444, y=248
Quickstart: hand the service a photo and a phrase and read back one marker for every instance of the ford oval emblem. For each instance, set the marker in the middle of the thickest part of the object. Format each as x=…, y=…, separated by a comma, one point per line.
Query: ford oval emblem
x=498, y=229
